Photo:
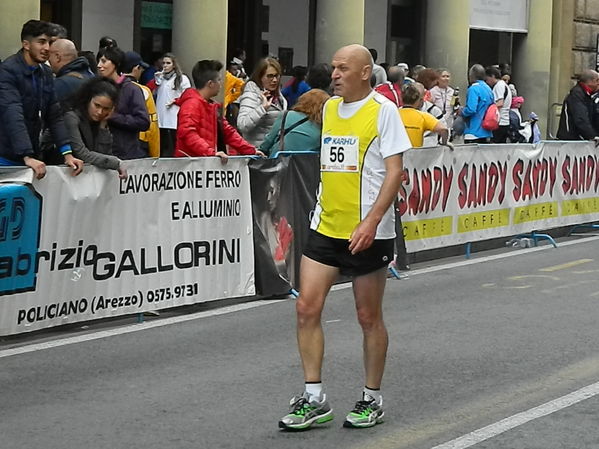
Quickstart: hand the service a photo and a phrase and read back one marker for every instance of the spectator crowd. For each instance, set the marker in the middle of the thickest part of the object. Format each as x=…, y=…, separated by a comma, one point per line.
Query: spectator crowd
x=63, y=106
x=60, y=105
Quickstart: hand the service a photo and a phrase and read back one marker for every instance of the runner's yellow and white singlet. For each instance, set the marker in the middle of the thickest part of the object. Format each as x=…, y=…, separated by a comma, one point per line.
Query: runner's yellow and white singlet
x=352, y=165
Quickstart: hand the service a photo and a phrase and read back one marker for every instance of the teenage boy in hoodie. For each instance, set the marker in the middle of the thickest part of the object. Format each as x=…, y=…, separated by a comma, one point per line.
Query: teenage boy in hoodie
x=201, y=129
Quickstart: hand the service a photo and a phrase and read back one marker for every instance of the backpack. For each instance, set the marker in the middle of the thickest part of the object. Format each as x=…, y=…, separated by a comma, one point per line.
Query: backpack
x=151, y=137
x=491, y=119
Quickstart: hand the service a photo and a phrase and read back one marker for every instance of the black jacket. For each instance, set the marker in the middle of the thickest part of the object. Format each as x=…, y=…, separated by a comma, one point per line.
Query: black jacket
x=70, y=77
x=576, y=119
x=27, y=104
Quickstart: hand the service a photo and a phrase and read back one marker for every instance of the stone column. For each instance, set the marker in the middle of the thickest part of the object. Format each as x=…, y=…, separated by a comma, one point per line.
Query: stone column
x=531, y=65
x=14, y=15
x=338, y=24
x=448, y=39
x=562, y=41
x=375, y=27
x=199, y=31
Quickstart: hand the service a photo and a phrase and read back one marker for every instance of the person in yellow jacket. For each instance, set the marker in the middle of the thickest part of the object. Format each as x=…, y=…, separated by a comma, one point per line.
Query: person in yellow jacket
x=152, y=136
x=233, y=89
x=133, y=68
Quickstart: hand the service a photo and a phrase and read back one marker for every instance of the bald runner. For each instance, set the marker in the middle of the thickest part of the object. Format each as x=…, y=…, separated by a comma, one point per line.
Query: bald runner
x=351, y=233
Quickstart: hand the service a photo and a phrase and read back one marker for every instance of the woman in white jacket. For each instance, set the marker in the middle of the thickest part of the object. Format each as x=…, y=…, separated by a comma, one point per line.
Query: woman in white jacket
x=171, y=83
x=443, y=96
x=261, y=102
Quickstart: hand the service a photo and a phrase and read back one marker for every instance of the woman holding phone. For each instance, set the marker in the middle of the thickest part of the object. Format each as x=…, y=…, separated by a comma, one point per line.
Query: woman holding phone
x=261, y=102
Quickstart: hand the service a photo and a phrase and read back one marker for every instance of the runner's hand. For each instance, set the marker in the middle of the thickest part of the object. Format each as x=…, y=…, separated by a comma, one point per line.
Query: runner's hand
x=363, y=236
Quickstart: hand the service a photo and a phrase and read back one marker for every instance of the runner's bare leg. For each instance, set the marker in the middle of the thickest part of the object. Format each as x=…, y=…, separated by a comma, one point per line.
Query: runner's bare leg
x=368, y=292
x=316, y=280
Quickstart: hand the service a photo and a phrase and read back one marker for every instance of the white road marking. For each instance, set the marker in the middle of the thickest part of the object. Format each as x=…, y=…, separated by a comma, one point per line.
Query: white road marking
x=239, y=307
x=519, y=419
x=135, y=328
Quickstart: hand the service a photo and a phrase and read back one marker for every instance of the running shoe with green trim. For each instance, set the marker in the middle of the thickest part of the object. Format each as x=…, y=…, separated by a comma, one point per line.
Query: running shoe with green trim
x=305, y=412
x=367, y=413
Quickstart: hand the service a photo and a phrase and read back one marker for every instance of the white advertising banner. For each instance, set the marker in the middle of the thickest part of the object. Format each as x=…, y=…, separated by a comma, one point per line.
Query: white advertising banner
x=499, y=15
x=72, y=249
x=481, y=192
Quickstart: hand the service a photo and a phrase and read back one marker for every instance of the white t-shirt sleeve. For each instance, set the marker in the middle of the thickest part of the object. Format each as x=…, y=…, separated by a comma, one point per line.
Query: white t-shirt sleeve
x=393, y=138
x=499, y=91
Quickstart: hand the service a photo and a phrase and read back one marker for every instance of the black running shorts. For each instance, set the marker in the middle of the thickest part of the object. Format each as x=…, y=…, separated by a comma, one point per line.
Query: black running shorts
x=336, y=253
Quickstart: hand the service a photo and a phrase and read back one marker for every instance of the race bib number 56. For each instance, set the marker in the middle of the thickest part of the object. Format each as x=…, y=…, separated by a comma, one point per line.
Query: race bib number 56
x=339, y=153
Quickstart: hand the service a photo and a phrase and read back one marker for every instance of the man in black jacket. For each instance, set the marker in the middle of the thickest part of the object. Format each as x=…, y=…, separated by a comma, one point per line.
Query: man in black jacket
x=576, y=119
x=28, y=104
x=71, y=70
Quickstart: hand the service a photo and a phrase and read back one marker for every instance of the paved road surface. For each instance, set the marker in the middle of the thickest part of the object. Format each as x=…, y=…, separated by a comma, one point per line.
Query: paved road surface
x=470, y=345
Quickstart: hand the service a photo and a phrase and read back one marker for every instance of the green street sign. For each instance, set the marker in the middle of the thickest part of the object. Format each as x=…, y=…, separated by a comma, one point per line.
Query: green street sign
x=156, y=15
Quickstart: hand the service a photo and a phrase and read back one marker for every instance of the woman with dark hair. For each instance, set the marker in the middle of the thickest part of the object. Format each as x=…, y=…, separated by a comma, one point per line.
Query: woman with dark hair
x=507, y=77
x=87, y=124
x=107, y=42
x=91, y=59
x=261, y=102
x=297, y=86
x=171, y=83
x=319, y=77
x=238, y=58
x=299, y=128
x=130, y=116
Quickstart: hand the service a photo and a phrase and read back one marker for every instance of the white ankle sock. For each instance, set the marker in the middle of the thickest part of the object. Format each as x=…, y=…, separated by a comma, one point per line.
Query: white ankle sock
x=314, y=390
x=374, y=394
